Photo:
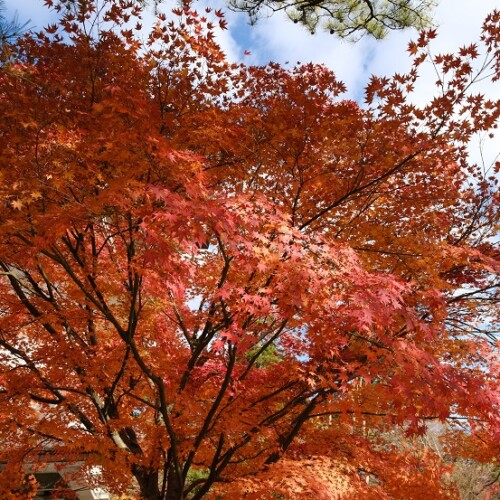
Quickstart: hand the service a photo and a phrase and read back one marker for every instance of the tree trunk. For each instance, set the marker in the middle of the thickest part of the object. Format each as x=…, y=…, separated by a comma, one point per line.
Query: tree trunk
x=147, y=479
x=175, y=487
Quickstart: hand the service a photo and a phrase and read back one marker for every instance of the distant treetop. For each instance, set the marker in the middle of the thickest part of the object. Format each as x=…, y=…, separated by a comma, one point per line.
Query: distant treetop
x=9, y=28
x=350, y=19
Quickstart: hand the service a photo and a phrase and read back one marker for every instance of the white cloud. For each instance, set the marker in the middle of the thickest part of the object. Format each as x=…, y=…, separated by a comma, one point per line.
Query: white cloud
x=278, y=39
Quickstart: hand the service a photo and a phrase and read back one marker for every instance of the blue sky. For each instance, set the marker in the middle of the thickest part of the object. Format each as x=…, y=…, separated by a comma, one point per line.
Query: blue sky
x=276, y=38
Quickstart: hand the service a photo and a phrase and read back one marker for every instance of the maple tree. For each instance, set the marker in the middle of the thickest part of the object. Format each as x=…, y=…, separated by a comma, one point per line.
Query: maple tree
x=222, y=280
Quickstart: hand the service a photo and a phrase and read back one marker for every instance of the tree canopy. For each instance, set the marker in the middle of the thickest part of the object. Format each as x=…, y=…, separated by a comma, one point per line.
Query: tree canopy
x=345, y=18
x=227, y=281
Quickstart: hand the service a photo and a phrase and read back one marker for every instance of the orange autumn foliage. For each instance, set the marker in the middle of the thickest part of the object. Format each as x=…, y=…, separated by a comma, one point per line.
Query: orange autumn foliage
x=216, y=277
